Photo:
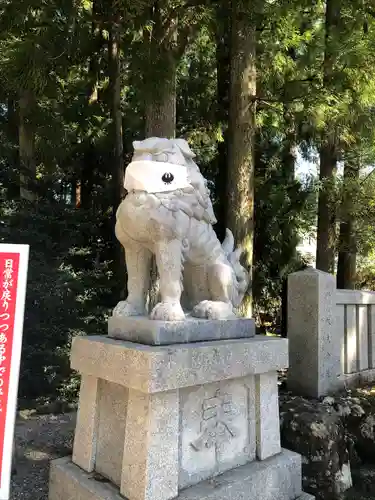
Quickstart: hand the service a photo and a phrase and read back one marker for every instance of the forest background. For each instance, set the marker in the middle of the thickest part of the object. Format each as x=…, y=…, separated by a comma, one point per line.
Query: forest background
x=253, y=86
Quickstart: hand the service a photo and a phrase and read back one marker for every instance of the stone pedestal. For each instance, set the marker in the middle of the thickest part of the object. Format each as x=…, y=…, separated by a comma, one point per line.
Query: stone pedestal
x=187, y=421
x=140, y=329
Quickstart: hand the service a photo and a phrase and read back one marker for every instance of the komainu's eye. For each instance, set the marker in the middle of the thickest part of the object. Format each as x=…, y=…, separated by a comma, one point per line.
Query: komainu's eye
x=167, y=178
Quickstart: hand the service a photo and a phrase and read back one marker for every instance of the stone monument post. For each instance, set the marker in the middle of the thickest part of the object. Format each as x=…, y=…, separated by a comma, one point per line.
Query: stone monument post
x=314, y=339
x=184, y=403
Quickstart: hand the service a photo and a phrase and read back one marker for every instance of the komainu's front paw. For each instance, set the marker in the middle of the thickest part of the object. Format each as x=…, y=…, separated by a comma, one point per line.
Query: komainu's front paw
x=210, y=309
x=168, y=311
x=125, y=308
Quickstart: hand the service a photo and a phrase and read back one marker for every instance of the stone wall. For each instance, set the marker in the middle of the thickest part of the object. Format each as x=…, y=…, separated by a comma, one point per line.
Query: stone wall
x=331, y=335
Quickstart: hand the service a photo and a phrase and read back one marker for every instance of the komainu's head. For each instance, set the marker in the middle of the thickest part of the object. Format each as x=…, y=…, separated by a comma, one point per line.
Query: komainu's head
x=175, y=151
x=165, y=169
x=171, y=152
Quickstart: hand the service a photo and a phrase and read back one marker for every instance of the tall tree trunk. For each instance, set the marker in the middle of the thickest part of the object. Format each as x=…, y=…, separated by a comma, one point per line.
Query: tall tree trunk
x=222, y=34
x=87, y=176
x=326, y=231
x=13, y=185
x=26, y=137
x=241, y=133
x=97, y=44
x=346, y=266
x=84, y=187
x=75, y=193
x=116, y=115
x=12, y=119
x=118, y=153
x=161, y=108
x=289, y=151
x=160, y=116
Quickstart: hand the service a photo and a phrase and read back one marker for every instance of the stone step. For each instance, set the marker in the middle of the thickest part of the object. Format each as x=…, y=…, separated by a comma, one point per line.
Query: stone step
x=278, y=478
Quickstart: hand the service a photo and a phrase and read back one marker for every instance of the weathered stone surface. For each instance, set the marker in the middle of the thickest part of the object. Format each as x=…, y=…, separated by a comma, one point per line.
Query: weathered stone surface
x=357, y=411
x=315, y=343
x=150, y=463
x=84, y=448
x=217, y=429
x=267, y=415
x=161, y=368
x=316, y=432
x=352, y=494
x=154, y=332
x=170, y=417
x=278, y=478
x=112, y=407
x=67, y=481
x=364, y=480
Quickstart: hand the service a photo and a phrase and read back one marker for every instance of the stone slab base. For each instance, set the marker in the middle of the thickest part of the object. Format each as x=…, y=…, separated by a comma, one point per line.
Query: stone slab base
x=153, y=332
x=358, y=378
x=278, y=478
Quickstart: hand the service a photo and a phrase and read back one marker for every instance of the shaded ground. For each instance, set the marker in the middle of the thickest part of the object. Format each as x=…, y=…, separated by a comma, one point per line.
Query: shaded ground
x=364, y=480
x=39, y=439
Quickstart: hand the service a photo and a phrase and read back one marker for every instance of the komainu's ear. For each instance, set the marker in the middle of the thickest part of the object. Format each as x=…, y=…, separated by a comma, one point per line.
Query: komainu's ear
x=184, y=147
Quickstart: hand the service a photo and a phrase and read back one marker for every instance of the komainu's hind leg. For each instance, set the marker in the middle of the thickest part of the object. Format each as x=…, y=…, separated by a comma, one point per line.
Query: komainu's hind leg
x=220, y=283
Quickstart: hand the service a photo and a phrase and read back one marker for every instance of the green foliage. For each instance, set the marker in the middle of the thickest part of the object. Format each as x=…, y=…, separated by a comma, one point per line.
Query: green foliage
x=196, y=101
x=366, y=272
x=59, y=51
x=284, y=210
x=69, y=289
x=362, y=196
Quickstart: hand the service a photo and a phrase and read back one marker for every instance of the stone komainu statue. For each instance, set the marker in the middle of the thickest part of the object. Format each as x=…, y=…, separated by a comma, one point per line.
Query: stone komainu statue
x=168, y=212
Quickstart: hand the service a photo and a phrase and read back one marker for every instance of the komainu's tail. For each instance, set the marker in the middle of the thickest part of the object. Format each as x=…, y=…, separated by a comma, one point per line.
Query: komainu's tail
x=242, y=277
